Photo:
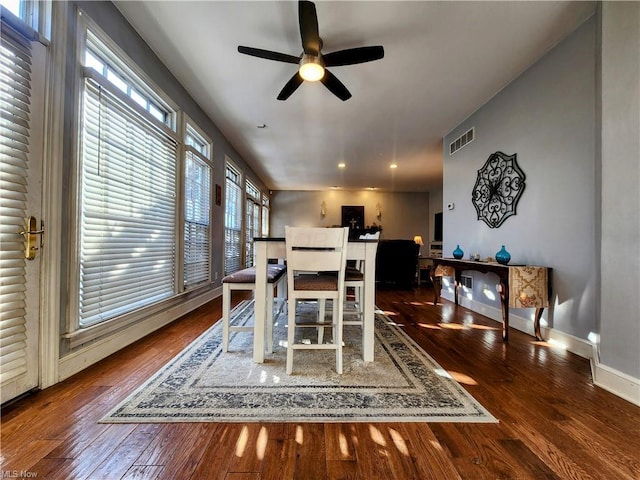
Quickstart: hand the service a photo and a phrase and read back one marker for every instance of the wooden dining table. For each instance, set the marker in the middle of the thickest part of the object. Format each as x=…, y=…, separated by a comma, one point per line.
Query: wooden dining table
x=274, y=248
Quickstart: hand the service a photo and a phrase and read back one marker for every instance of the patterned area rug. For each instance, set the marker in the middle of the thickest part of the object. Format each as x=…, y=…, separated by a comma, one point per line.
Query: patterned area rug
x=202, y=384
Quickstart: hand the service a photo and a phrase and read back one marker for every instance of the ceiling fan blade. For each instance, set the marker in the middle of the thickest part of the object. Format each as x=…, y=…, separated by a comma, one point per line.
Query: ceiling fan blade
x=309, y=34
x=268, y=54
x=335, y=86
x=291, y=86
x=352, y=56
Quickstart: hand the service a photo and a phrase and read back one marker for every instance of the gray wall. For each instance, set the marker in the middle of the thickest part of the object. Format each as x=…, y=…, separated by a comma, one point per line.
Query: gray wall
x=620, y=236
x=547, y=117
x=574, y=121
x=435, y=206
x=404, y=215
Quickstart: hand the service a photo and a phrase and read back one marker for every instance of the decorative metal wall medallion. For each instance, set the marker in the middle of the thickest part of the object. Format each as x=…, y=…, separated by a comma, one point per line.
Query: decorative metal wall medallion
x=498, y=188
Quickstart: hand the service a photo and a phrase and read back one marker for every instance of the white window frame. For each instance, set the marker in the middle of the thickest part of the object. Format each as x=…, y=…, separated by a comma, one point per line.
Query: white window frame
x=75, y=334
x=252, y=225
x=37, y=15
x=266, y=209
x=203, y=156
x=130, y=73
x=230, y=267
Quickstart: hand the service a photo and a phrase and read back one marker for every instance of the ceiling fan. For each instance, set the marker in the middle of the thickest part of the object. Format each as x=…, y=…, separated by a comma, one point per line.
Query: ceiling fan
x=312, y=62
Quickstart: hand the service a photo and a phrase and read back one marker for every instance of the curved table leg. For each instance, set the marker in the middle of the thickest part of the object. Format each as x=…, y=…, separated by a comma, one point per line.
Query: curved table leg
x=437, y=286
x=504, y=300
x=536, y=323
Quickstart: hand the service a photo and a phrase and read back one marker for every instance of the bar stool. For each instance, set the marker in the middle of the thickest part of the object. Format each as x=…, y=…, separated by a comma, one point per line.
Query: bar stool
x=245, y=279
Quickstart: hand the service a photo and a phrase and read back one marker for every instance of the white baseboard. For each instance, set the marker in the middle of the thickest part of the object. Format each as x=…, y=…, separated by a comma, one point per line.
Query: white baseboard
x=81, y=359
x=612, y=380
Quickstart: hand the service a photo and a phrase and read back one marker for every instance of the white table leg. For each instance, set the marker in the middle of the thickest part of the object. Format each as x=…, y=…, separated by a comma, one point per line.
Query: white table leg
x=260, y=302
x=369, y=302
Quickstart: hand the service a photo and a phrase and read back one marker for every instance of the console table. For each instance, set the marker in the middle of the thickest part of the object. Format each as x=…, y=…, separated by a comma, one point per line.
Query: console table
x=424, y=263
x=521, y=286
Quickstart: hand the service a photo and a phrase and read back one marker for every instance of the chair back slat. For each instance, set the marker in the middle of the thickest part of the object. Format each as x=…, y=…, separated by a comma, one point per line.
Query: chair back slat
x=314, y=261
x=316, y=249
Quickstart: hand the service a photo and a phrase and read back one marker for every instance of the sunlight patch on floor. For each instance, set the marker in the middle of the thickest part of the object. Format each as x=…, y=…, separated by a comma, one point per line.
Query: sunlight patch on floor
x=343, y=445
x=261, y=443
x=457, y=376
x=376, y=436
x=427, y=325
x=453, y=326
x=399, y=442
x=476, y=326
x=436, y=445
x=463, y=378
x=460, y=326
x=551, y=343
x=381, y=436
x=241, y=444
x=437, y=304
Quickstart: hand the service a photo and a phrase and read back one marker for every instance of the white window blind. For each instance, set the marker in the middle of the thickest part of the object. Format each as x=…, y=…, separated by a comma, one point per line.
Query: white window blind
x=252, y=221
x=232, y=222
x=127, y=217
x=197, y=230
x=15, y=94
x=252, y=229
x=265, y=216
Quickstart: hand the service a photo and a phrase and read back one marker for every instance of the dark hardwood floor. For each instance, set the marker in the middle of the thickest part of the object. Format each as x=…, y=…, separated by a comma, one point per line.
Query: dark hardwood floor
x=554, y=423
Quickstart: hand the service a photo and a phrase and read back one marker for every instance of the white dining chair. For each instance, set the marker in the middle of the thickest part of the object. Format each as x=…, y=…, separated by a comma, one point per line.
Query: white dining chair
x=316, y=262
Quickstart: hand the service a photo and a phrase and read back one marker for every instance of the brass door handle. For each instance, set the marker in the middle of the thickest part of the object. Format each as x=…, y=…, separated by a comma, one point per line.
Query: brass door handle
x=31, y=235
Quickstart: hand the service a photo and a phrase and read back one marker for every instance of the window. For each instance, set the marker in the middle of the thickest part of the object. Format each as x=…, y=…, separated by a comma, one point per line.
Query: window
x=197, y=208
x=36, y=14
x=252, y=224
x=232, y=220
x=127, y=191
x=100, y=58
x=265, y=216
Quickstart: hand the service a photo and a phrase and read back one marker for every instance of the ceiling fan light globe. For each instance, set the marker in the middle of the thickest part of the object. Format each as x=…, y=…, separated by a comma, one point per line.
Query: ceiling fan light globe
x=311, y=68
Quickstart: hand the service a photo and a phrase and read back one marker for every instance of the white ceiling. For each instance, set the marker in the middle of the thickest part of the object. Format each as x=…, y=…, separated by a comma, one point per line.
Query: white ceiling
x=443, y=60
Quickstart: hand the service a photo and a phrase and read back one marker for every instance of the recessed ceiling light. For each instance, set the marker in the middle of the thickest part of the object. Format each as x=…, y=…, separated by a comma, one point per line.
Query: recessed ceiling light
x=372, y=188
x=393, y=165
x=342, y=165
x=335, y=187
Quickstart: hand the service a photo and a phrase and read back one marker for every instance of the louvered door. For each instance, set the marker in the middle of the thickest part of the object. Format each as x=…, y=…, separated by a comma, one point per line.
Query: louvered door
x=21, y=100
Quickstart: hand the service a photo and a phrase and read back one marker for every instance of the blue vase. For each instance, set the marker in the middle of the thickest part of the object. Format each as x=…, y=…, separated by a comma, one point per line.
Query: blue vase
x=503, y=256
x=458, y=253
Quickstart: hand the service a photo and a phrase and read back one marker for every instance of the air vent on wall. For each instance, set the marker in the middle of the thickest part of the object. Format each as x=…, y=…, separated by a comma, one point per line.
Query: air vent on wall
x=466, y=281
x=461, y=141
